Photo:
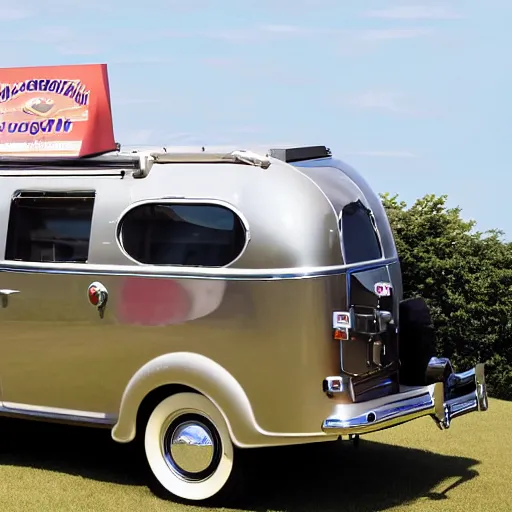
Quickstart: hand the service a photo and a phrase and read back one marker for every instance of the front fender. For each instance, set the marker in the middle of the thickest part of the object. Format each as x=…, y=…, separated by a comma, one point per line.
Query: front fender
x=197, y=372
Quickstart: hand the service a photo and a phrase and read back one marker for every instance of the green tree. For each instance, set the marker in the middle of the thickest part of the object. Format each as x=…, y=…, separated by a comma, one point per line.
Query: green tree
x=466, y=278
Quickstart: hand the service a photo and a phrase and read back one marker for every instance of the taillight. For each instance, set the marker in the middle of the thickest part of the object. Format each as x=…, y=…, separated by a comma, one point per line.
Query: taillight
x=341, y=324
x=341, y=319
x=341, y=333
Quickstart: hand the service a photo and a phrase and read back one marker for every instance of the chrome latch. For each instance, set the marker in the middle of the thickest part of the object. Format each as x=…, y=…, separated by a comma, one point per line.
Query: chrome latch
x=383, y=319
x=5, y=293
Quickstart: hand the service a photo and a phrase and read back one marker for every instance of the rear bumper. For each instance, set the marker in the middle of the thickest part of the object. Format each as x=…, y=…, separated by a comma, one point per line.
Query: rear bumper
x=457, y=394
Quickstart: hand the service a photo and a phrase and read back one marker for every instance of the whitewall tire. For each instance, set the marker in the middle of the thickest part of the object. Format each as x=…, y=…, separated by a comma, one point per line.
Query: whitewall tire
x=188, y=447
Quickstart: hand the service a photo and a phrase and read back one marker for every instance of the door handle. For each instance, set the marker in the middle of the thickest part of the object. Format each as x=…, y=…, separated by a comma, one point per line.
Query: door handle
x=4, y=294
x=383, y=319
x=373, y=322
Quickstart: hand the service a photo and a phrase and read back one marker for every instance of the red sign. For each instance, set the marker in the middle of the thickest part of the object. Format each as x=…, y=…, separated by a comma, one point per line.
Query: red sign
x=55, y=111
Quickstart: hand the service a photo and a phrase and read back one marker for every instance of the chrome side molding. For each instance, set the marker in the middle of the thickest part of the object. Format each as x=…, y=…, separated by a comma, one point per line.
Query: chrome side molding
x=57, y=415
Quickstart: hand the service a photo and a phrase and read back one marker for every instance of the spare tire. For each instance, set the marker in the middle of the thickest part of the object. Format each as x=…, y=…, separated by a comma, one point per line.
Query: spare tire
x=416, y=341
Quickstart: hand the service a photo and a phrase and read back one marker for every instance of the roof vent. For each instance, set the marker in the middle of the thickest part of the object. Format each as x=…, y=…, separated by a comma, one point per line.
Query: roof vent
x=300, y=154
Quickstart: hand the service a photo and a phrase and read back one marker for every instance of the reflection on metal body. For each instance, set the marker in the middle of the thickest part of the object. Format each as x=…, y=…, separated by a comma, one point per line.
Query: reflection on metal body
x=234, y=334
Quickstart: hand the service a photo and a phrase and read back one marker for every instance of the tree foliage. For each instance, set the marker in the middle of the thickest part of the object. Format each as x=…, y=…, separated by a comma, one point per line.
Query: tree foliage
x=466, y=278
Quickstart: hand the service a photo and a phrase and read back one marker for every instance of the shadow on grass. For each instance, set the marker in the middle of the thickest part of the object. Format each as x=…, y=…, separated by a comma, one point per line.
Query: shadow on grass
x=323, y=477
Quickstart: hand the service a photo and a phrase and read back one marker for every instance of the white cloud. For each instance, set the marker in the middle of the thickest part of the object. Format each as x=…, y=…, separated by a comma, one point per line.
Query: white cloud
x=141, y=59
x=141, y=137
x=382, y=154
x=385, y=101
x=294, y=30
x=393, y=33
x=381, y=100
x=220, y=62
x=50, y=7
x=135, y=101
x=234, y=35
x=413, y=12
x=282, y=29
x=78, y=49
x=51, y=34
x=265, y=32
x=256, y=33
x=64, y=40
x=14, y=13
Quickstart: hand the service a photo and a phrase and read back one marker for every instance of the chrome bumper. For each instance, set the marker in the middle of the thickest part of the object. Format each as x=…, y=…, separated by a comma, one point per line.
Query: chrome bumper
x=457, y=394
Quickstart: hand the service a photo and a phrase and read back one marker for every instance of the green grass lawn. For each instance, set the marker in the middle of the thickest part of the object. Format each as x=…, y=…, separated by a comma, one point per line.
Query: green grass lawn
x=413, y=467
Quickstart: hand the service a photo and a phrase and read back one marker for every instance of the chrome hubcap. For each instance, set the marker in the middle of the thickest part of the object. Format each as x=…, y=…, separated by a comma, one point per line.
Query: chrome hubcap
x=192, y=447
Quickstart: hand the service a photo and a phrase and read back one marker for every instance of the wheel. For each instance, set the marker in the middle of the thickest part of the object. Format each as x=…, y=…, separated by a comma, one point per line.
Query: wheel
x=188, y=447
x=416, y=341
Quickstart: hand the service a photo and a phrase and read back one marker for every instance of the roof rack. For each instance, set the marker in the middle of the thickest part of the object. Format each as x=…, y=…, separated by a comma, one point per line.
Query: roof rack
x=300, y=153
x=239, y=156
x=139, y=163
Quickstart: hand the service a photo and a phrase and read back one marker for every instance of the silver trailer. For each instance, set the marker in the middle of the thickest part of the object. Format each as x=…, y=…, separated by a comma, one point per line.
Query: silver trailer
x=209, y=301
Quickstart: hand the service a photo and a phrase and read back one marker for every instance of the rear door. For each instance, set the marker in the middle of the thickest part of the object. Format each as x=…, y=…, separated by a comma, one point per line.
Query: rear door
x=372, y=295
x=373, y=305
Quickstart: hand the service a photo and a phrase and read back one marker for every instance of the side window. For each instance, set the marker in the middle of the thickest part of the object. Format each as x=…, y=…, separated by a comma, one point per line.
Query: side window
x=359, y=234
x=50, y=227
x=204, y=235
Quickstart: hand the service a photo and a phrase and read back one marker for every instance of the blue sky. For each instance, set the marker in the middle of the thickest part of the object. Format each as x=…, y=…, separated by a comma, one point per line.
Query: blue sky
x=415, y=95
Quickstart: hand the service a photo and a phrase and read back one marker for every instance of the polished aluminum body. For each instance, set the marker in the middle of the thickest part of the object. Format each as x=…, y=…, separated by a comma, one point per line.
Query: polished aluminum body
x=257, y=340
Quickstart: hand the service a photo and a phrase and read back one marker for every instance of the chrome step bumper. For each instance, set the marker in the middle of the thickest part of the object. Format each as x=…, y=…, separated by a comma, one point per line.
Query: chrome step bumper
x=456, y=395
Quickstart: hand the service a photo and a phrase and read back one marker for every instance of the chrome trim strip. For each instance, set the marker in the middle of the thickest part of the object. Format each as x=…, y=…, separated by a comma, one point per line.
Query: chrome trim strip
x=109, y=160
x=56, y=414
x=416, y=402
x=222, y=273
x=178, y=201
x=390, y=414
x=76, y=173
